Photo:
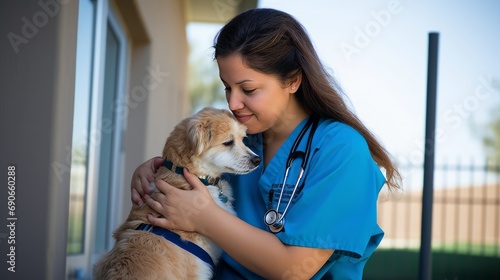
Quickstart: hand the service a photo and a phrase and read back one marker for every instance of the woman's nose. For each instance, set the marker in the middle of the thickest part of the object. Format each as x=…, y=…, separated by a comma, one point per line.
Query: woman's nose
x=234, y=101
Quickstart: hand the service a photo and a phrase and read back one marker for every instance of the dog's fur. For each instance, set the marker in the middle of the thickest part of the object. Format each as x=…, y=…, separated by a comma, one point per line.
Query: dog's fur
x=207, y=143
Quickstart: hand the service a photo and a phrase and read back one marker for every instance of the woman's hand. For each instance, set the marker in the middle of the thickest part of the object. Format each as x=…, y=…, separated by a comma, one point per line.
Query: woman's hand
x=256, y=249
x=142, y=178
x=181, y=209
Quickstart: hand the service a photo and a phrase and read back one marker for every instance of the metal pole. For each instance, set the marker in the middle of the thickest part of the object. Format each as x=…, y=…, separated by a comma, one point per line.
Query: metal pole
x=425, y=264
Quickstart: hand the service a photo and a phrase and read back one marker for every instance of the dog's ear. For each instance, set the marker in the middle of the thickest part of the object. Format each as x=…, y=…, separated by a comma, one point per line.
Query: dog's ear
x=199, y=134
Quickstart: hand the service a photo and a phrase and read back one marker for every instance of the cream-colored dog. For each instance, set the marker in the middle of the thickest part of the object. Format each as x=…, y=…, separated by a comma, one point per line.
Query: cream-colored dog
x=208, y=143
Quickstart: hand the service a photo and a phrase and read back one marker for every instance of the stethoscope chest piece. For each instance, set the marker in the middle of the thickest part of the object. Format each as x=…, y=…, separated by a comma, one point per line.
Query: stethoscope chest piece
x=274, y=220
x=271, y=217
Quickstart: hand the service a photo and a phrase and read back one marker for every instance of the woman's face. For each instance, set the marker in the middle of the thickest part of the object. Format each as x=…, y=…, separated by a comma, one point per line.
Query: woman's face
x=259, y=101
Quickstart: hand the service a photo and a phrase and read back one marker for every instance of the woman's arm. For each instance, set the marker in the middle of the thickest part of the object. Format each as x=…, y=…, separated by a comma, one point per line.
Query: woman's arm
x=259, y=251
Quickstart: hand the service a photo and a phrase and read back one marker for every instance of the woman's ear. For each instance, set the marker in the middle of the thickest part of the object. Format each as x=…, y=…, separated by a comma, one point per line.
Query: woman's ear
x=295, y=83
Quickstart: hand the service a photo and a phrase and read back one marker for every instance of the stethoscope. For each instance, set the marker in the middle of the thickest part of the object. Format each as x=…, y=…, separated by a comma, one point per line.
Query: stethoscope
x=273, y=218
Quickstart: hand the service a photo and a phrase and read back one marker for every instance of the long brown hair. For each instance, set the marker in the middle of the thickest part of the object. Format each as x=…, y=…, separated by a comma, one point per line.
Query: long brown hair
x=273, y=42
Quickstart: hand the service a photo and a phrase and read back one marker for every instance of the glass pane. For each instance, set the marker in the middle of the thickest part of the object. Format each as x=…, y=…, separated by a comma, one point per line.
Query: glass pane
x=108, y=132
x=78, y=181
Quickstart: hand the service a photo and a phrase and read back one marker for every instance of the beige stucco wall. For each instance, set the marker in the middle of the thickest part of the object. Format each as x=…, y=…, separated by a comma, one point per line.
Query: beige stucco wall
x=168, y=97
x=156, y=89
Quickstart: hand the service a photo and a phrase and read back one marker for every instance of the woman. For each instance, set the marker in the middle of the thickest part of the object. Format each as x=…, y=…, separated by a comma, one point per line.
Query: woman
x=276, y=86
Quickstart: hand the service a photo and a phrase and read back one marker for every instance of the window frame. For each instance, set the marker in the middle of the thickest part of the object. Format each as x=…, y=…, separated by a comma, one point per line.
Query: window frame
x=104, y=16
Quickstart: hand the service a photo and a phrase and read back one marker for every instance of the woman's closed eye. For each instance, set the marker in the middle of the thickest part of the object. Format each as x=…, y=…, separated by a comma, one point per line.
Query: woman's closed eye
x=227, y=89
x=248, y=91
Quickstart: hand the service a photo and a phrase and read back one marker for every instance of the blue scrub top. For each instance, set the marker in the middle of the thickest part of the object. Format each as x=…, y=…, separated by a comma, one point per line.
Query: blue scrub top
x=335, y=209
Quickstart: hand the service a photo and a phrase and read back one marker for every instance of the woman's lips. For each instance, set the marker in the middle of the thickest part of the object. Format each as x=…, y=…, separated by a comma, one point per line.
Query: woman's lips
x=243, y=118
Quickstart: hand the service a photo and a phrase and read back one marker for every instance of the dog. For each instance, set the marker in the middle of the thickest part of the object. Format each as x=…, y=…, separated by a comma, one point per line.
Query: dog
x=209, y=143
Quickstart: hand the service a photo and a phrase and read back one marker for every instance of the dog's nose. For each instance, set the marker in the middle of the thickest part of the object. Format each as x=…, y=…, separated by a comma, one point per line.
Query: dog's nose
x=255, y=160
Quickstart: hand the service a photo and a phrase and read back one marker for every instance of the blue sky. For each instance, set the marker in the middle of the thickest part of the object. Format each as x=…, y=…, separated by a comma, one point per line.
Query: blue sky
x=377, y=50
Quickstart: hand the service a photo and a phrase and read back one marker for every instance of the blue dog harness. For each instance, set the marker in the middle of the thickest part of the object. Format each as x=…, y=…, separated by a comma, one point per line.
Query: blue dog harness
x=177, y=240
x=179, y=170
x=174, y=237
x=207, y=180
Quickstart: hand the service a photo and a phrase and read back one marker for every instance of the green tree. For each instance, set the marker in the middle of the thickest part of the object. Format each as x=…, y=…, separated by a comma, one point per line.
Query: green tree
x=491, y=139
x=491, y=134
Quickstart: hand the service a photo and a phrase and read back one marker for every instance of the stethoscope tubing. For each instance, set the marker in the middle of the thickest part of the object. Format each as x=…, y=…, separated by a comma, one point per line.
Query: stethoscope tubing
x=282, y=216
x=276, y=224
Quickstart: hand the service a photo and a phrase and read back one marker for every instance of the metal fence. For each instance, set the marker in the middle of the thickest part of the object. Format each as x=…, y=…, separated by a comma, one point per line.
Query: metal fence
x=466, y=210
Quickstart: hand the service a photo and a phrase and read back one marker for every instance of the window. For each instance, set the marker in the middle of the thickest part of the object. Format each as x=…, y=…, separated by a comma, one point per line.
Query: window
x=97, y=135
x=81, y=118
x=111, y=135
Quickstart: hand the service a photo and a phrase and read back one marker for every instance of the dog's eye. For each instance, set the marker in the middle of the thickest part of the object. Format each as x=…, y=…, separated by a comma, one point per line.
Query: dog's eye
x=228, y=143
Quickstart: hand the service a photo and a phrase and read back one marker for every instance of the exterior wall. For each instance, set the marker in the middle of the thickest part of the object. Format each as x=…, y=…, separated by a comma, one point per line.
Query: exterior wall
x=157, y=84
x=168, y=98
x=37, y=72
x=465, y=215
